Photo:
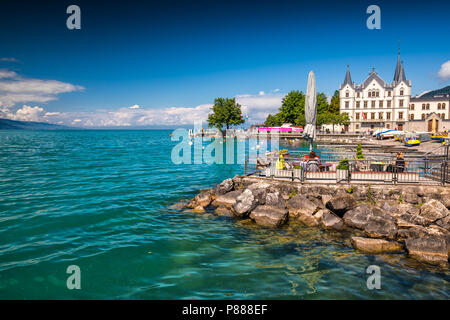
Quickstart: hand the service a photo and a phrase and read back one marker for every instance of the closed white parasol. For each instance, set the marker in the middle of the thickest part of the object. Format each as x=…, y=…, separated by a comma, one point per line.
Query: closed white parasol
x=310, y=110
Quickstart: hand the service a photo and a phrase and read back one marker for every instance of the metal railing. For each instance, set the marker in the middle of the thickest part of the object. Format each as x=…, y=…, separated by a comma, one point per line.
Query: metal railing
x=375, y=170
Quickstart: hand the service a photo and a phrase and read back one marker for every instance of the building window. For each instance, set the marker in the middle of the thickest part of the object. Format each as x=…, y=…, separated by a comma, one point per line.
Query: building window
x=401, y=102
x=346, y=104
x=346, y=94
x=411, y=117
x=380, y=115
x=389, y=103
x=378, y=94
x=423, y=116
x=411, y=107
x=357, y=126
x=388, y=115
x=357, y=104
x=423, y=106
x=365, y=104
x=389, y=93
x=357, y=116
x=443, y=116
x=372, y=116
x=400, y=115
x=439, y=106
x=443, y=106
x=373, y=104
x=401, y=92
x=365, y=115
x=428, y=106
x=357, y=94
x=381, y=103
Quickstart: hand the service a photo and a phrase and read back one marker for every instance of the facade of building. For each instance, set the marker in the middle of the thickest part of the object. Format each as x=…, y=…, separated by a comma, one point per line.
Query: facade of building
x=374, y=103
x=429, y=114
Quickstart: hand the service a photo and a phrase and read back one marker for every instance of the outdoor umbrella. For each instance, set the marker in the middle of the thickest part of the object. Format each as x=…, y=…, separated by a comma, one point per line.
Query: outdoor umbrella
x=310, y=110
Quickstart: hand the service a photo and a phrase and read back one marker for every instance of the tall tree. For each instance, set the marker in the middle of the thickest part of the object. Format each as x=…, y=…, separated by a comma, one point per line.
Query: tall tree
x=334, y=106
x=292, y=105
x=225, y=112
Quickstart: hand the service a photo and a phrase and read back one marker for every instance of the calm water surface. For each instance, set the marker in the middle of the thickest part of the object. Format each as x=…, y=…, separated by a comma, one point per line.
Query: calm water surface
x=102, y=200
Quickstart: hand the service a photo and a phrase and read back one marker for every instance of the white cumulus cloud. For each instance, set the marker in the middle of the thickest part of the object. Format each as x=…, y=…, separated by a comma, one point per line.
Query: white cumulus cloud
x=444, y=72
x=16, y=89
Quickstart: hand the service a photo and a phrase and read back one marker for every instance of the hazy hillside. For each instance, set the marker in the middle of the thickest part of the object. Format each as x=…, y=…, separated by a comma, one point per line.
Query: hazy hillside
x=6, y=124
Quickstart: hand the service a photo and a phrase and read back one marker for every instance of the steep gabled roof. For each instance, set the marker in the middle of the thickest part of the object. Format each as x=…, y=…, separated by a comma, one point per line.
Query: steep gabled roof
x=373, y=76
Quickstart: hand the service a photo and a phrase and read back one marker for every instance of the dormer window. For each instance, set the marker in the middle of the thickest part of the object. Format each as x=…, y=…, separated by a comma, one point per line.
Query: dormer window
x=389, y=93
x=347, y=94
x=401, y=92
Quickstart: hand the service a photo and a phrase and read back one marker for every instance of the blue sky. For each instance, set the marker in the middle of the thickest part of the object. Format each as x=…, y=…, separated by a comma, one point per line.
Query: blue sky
x=170, y=59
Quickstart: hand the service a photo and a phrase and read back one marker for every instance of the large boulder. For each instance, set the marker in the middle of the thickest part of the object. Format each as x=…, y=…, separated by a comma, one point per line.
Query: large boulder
x=433, y=210
x=301, y=205
x=224, y=187
x=341, y=204
x=269, y=216
x=203, y=199
x=372, y=220
x=407, y=220
x=428, y=248
x=444, y=223
x=247, y=201
x=275, y=199
x=331, y=221
x=227, y=199
x=376, y=245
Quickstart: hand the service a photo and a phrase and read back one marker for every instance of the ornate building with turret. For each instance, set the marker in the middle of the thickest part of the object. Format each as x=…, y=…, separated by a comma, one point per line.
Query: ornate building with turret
x=375, y=103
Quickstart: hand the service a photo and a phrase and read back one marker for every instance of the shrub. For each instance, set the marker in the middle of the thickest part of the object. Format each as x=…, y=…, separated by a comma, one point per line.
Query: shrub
x=343, y=165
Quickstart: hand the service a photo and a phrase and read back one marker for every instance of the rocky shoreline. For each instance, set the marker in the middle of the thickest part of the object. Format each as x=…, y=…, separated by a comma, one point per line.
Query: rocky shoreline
x=379, y=219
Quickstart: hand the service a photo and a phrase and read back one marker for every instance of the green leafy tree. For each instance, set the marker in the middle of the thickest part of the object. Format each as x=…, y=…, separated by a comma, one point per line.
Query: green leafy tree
x=225, y=112
x=292, y=106
x=334, y=106
x=272, y=121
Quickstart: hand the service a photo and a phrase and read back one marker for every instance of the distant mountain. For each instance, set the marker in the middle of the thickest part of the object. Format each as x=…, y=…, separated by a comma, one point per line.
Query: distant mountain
x=6, y=124
x=442, y=91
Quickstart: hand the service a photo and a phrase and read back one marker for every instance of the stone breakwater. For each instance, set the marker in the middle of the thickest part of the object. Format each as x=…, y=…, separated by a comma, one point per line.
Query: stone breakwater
x=378, y=218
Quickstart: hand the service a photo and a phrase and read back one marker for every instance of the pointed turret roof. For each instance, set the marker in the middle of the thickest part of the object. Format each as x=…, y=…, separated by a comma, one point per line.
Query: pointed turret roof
x=348, y=78
x=397, y=68
x=402, y=76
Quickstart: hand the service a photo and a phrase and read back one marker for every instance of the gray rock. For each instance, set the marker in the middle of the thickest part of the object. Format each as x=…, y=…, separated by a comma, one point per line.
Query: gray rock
x=444, y=223
x=224, y=187
x=429, y=248
x=227, y=199
x=406, y=219
x=203, y=199
x=247, y=201
x=412, y=198
x=269, y=216
x=300, y=205
x=372, y=220
x=341, y=204
x=274, y=199
x=434, y=210
x=331, y=221
x=376, y=245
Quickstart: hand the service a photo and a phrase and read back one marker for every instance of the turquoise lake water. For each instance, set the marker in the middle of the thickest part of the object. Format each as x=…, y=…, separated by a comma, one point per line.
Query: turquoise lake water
x=102, y=200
